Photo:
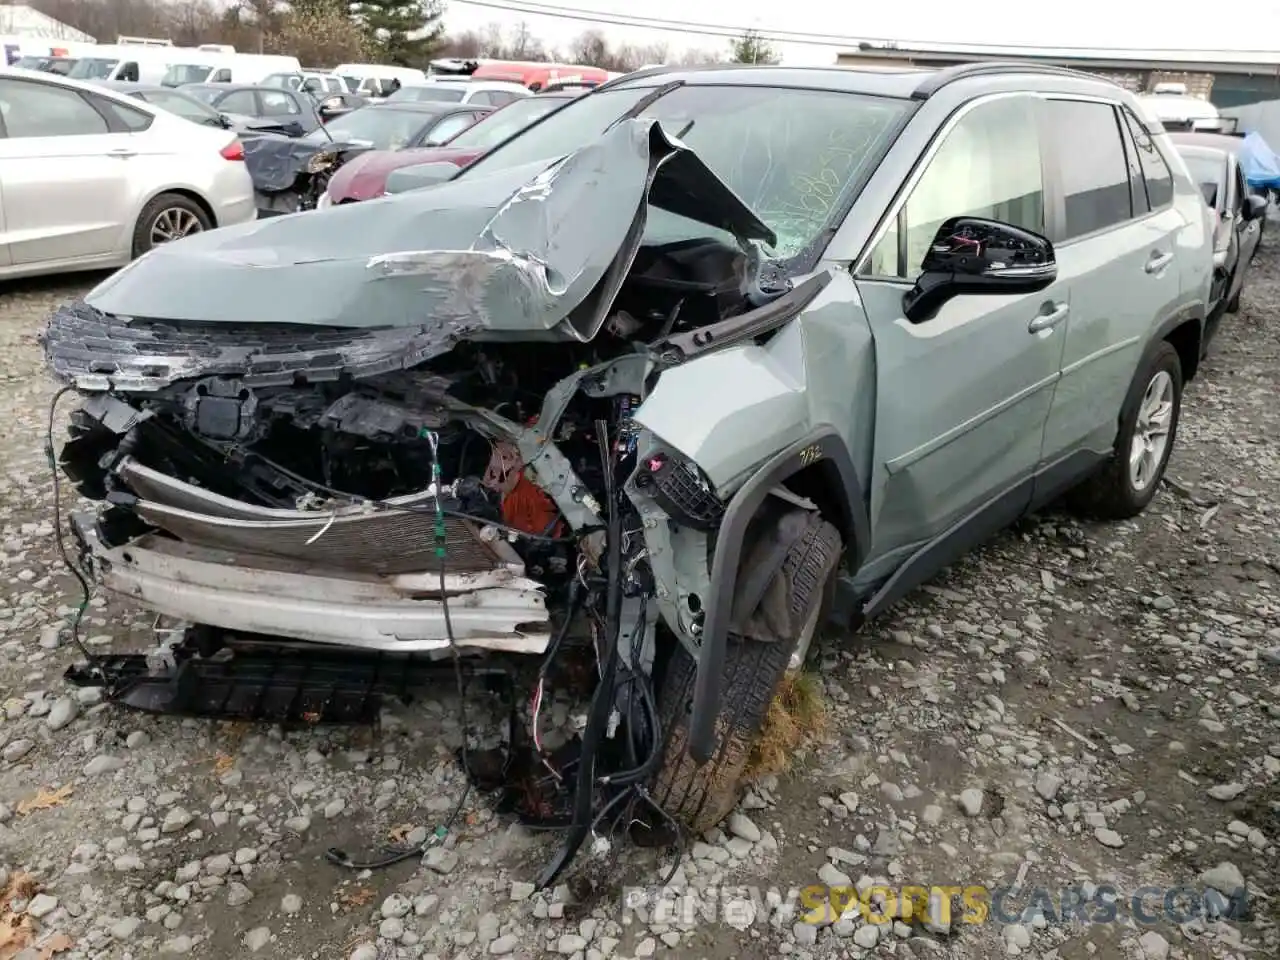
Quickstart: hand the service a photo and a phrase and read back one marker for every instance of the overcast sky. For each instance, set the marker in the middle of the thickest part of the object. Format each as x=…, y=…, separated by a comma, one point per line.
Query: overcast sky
x=1080, y=23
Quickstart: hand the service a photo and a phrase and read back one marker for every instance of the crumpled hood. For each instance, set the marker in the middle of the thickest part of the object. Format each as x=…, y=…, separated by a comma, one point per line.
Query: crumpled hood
x=520, y=249
x=365, y=177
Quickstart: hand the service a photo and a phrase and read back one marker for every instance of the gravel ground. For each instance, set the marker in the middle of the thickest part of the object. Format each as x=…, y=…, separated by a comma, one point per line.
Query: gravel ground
x=1075, y=705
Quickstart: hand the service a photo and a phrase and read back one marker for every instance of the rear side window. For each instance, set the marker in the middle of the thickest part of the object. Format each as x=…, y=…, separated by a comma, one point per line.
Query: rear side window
x=1092, y=164
x=277, y=103
x=241, y=101
x=39, y=110
x=1155, y=171
x=135, y=121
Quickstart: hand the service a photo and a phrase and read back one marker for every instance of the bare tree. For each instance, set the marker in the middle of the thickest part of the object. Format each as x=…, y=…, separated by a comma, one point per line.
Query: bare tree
x=695, y=57
x=466, y=45
x=591, y=49
x=521, y=40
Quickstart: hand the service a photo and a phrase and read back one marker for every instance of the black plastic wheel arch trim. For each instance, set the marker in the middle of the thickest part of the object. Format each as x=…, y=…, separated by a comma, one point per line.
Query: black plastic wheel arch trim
x=824, y=445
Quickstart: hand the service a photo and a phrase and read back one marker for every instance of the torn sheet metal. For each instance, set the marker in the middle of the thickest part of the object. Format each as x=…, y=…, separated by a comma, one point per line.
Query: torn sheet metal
x=493, y=611
x=514, y=251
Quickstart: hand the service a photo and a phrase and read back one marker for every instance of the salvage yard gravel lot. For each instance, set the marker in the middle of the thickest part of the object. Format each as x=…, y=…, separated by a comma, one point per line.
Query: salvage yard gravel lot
x=1074, y=705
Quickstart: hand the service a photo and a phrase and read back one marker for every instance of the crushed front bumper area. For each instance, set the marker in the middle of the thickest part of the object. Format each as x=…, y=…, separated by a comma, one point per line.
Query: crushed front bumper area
x=212, y=576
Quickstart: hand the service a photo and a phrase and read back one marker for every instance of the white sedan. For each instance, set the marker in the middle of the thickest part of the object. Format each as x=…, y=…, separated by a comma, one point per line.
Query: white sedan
x=90, y=179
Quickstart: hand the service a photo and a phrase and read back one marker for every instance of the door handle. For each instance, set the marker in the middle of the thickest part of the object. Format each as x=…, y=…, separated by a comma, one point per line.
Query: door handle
x=1047, y=321
x=1158, y=262
x=122, y=153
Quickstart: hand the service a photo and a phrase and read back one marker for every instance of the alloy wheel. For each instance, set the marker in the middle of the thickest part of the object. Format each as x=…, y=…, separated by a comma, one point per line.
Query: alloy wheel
x=172, y=224
x=1151, y=433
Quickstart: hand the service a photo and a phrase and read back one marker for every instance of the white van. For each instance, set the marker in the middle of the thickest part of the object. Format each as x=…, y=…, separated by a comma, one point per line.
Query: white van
x=1178, y=111
x=138, y=63
x=205, y=66
x=374, y=79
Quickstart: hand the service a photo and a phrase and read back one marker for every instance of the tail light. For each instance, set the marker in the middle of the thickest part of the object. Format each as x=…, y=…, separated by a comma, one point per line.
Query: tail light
x=233, y=151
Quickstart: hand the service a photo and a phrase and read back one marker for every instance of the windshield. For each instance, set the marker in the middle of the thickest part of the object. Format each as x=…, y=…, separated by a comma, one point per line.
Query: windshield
x=92, y=68
x=496, y=127
x=181, y=73
x=794, y=156
x=385, y=128
x=185, y=107
x=440, y=92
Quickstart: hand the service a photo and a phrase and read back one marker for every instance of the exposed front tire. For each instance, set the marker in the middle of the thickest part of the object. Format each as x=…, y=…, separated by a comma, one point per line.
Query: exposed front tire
x=1148, y=427
x=701, y=796
x=168, y=217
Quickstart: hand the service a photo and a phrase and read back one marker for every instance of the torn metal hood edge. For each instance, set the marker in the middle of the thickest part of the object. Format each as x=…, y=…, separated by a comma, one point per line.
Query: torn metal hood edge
x=515, y=250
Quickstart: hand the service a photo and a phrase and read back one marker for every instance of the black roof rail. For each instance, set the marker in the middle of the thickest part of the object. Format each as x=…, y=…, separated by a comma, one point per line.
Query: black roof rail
x=658, y=71
x=940, y=78
x=646, y=72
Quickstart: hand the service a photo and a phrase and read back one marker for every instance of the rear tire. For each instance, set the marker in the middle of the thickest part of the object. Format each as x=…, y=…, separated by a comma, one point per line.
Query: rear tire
x=702, y=795
x=168, y=217
x=1115, y=492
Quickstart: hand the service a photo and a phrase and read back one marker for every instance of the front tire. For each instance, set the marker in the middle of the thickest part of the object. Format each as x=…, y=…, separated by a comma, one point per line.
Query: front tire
x=1148, y=427
x=168, y=217
x=702, y=795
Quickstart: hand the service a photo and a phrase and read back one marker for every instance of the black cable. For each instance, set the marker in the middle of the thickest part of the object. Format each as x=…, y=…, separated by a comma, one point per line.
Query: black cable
x=339, y=857
x=86, y=592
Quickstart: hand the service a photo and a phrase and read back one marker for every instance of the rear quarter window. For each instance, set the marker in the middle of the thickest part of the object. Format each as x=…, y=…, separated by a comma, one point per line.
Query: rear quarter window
x=1155, y=170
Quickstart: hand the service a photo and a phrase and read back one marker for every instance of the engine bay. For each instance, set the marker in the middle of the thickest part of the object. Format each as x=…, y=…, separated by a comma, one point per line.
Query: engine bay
x=405, y=490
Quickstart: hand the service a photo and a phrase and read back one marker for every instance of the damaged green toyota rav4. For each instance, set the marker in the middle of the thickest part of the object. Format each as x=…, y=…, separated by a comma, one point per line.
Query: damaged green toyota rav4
x=638, y=390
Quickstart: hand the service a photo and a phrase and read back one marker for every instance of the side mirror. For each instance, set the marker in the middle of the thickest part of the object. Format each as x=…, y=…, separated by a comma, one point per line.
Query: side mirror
x=293, y=128
x=971, y=255
x=225, y=122
x=1255, y=207
x=420, y=175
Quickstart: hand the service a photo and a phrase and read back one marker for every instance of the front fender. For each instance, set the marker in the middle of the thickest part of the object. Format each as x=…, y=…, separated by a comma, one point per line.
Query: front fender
x=729, y=410
x=753, y=417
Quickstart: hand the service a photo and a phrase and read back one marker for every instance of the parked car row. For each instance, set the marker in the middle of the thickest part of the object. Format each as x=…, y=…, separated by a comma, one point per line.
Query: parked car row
x=767, y=339
x=92, y=177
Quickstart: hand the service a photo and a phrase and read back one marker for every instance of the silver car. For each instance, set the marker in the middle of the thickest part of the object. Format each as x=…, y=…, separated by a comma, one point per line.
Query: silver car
x=91, y=179
x=653, y=384
x=1237, y=215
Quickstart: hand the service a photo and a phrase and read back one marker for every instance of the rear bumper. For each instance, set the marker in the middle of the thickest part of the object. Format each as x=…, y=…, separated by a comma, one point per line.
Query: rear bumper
x=231, y=196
